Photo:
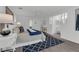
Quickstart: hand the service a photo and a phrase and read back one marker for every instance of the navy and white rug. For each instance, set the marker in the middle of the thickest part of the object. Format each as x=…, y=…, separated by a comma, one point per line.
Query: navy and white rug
x=42, y=45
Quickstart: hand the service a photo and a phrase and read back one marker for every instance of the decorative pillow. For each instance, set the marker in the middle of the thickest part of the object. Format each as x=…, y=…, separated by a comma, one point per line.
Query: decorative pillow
x=34, y=32
x=31, y=30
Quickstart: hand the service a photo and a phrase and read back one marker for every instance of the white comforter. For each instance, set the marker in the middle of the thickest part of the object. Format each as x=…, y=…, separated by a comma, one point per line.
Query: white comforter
x=25, y=39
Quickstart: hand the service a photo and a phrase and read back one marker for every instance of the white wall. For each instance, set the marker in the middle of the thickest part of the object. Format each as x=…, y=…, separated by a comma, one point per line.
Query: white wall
x=54, y=25
x=68, y=29
x=2, y=9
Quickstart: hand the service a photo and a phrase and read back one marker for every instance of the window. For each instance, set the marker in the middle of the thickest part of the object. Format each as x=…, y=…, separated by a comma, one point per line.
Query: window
x=66, y=15
x=30, y=23
x=60, y=18
x=50, y=20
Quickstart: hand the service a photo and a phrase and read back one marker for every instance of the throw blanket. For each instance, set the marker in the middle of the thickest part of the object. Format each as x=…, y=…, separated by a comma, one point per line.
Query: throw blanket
x=33, y=32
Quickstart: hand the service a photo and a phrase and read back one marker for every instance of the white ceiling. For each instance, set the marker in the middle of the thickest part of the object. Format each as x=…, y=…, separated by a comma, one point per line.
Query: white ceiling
x=41, y=11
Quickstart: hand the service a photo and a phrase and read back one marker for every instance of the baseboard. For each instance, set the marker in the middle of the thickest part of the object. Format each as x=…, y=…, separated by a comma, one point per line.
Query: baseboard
x=69, y=40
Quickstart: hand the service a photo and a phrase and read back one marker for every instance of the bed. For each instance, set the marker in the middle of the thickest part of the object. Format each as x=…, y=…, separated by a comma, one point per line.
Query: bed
x=26, y=39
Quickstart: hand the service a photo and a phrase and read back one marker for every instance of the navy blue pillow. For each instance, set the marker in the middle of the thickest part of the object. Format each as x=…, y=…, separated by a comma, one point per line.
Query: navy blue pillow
x=33, y=33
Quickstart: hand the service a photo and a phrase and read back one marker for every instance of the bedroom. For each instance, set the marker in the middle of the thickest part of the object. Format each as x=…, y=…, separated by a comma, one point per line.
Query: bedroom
x=36, y=24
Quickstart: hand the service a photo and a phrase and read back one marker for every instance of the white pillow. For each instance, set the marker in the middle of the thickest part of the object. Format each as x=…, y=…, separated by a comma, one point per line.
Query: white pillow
x=32, y=30
x=36, y=28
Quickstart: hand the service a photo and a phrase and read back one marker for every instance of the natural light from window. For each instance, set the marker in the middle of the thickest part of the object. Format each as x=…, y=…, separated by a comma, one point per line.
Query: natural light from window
x=61, y=18
x=30, y=23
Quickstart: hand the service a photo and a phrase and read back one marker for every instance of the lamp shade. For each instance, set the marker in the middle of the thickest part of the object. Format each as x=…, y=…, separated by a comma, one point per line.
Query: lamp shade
x=6, y=18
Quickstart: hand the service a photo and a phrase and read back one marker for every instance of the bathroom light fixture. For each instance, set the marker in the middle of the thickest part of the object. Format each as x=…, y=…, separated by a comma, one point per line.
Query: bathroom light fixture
x=6, y=18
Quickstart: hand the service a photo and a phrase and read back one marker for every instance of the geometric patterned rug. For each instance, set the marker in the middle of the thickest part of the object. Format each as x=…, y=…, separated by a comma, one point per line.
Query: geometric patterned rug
x=49, y=42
